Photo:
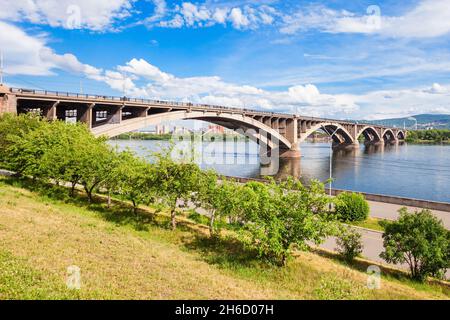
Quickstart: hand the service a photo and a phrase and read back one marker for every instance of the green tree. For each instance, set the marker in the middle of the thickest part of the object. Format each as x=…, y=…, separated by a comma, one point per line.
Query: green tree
x=61, y=146
x=12, y=128
x=277, y=216
x=349, y=243
x=176, y=183
x=93, y=163
x=216, y=197
x=131, y=177
x=420, y=240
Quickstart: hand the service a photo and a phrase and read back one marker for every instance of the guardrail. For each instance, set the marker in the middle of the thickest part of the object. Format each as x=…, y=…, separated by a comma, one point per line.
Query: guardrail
x=177, y=103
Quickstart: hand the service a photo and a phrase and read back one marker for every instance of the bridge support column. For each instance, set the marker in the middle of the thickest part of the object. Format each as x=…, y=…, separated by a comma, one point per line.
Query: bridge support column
x=379, y=142
x=292, y=136
x=51, y=112
x=87, y=116
x=143, y=112
x=8, y=101
x=116, y=117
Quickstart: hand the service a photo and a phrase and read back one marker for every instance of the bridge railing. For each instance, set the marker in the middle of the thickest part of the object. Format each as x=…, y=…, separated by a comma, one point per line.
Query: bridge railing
x=136, y=100
x=174, y=103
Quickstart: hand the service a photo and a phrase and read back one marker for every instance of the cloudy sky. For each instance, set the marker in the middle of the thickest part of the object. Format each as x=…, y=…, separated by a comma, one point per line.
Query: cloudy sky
x=337, y=58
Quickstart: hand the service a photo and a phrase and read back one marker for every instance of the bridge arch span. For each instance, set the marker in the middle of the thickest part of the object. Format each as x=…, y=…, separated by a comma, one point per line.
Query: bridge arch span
x=370, y=134
x=388, y=135
x=228, y=120
x=401, y=135
x=342, y=135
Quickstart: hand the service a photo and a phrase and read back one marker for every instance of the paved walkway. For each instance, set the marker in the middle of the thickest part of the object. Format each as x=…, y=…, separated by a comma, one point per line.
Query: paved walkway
x=390, y=212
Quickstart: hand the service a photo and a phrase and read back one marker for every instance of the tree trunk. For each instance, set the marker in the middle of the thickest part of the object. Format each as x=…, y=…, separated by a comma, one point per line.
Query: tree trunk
x=72, y=190
x=283, y=259
x=173, y=218
x=88, y=193
x=109, y=199
x=134, y=207
x=211, y=224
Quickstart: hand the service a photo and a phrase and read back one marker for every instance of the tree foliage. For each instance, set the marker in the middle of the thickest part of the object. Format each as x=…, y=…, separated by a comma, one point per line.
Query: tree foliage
x=351, y=206
x=433, y=135
x=276, y=219
x=177, y=182
x=420, y=240
x=349, y=243
x=131, y=177
x=216, y=197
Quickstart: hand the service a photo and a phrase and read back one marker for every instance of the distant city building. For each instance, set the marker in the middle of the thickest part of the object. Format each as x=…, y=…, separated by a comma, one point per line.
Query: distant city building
x=180, y=130
x=216, y=129
x=162, y=129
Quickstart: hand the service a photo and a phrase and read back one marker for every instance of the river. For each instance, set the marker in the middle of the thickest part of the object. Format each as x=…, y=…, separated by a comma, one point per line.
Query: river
x=406, y=170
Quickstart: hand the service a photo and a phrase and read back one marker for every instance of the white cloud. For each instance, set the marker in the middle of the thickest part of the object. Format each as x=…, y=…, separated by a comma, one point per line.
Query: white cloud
x=176, y=22
x=193, y=14
x=430, y=18
x=399, y=103
x=159, y=11
x=437, y=89
x=220, y=15
x=22, y=52
x=162, y=85
x=142, y=68
x=189, y=14
x=238, y=19
x=213, y=90
x=30, y=55
x=95, y=15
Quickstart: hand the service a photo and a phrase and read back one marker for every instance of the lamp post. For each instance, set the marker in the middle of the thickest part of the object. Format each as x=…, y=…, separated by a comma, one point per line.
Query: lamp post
x=331, y=161
x=1, y=67
x=413, y=119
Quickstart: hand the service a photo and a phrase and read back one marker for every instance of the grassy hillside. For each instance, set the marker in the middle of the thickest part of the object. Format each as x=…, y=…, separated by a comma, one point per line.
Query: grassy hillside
x=123, y=256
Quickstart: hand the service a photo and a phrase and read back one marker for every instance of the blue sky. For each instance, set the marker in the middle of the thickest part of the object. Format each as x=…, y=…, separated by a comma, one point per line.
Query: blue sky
x=343, y=59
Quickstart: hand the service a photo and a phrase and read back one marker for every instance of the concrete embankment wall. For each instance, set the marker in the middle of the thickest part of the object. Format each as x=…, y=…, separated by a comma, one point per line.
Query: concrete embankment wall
x=425, y=204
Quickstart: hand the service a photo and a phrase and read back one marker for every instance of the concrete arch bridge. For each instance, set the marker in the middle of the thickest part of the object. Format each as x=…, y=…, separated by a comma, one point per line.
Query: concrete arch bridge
x=111, y=116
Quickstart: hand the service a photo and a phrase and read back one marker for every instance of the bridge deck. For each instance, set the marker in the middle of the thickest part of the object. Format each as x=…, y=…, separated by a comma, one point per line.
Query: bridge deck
x=32, y=94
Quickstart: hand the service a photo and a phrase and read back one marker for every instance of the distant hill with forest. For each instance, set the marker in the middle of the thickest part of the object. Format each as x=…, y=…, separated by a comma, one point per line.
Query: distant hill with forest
x=424, y=121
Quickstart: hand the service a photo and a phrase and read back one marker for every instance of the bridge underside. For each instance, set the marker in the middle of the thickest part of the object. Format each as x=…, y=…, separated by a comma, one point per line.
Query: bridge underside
x=113, y=116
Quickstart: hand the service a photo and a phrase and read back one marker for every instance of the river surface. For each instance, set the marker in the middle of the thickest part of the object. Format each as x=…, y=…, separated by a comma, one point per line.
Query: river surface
x=406, y=170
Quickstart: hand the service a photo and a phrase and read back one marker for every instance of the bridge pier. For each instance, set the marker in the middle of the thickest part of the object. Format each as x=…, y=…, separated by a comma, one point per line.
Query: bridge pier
x=86, y=117
x=291, y=133
x=51, y=112
x=8, y=101
x=293, y=153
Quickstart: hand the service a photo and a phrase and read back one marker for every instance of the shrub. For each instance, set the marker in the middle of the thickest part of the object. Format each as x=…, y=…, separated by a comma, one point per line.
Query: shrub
x=420, y=240
x=351, y=207
x=349, y=243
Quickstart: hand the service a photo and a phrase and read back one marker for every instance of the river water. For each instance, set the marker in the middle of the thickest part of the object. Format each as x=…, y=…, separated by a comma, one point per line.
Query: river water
x=406, y=170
